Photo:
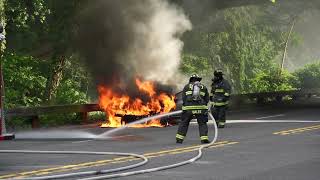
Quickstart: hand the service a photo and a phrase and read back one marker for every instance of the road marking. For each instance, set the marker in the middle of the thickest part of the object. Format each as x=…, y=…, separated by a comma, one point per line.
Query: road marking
x=267, y=117
x=81, y=141
x=297, y=130
x=112, y=161
x=262, y=121
x=271, y=121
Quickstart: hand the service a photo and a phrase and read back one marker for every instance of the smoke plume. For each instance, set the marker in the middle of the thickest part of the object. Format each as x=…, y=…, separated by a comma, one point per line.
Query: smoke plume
x=120, y=40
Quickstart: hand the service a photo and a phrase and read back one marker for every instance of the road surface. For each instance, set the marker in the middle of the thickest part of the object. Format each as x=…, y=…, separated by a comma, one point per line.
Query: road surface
x=254, y=145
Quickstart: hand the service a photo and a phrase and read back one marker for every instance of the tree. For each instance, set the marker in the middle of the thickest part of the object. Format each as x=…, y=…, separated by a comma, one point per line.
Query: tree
x=60, y=26
x=25, y=80
x=309, y=76
x=44, y=28
x=243, y=48
x=25, y=25
x=271, y=82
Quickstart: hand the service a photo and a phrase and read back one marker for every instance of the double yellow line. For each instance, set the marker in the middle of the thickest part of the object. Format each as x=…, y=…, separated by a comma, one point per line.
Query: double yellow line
x=297, y=130
x=59, y=169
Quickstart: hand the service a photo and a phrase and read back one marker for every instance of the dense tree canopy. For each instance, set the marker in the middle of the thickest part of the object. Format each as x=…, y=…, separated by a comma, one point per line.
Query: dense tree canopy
x=247, y=45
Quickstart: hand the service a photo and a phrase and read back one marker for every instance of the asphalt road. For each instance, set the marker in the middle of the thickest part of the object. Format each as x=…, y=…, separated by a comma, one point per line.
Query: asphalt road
x=255, y=145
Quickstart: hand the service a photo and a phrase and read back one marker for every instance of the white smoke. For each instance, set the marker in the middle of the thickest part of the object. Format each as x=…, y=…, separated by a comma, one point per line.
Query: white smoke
x=156, y=52
x=124, y=39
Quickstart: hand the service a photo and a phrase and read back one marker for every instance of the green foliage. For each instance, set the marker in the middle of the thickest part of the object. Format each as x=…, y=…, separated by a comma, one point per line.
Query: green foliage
x=59, y=119
x=25, y=83
x=74, y=85
x=24, y=80
x=244, y=48
x=309, y=76
x=25, y=23
x=192, y=64
x=68, y=93
x=41, y=26
x=271, y=82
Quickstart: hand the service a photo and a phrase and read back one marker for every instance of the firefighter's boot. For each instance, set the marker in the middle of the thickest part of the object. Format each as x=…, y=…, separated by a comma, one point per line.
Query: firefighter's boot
x=179, y=141
x=206, y=141
x=221, y=124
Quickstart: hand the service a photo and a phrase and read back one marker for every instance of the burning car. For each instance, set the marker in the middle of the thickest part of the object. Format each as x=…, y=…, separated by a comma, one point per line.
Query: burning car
x=122, y=109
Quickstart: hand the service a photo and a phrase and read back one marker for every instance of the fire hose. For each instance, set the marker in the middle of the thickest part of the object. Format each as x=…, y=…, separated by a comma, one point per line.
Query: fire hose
x=84, y=173
x=130, y=173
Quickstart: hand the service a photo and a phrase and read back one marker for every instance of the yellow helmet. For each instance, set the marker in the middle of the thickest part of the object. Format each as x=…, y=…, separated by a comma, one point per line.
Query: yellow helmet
x=195, y=77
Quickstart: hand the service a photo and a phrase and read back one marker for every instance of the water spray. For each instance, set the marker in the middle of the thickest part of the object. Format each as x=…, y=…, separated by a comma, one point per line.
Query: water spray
x=141, y=121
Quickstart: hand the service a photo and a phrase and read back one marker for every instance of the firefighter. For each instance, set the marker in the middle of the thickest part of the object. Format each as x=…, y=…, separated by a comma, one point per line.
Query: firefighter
x=195, y=98
x=220, y=94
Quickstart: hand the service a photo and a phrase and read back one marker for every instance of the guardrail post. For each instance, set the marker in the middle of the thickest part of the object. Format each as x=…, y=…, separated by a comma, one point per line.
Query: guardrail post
x=84, y=117
x=237, y=101
x=279, y=98
x=35, y=122
x=260, y=100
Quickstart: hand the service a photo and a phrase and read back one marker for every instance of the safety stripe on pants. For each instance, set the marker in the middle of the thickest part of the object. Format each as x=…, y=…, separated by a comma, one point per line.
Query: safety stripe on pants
x=194, y=107
x=220, y=103
x=179, y=136
x=219, y=90
x=204, y=137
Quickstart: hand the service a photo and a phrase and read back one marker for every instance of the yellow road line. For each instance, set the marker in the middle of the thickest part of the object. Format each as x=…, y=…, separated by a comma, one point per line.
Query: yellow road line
x=297, y=130
x=292, y=131
x=303, y=128
x=109, y=161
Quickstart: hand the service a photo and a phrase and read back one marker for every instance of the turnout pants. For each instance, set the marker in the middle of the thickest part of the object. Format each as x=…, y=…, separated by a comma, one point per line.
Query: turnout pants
x=186, y=117
x=219, y=114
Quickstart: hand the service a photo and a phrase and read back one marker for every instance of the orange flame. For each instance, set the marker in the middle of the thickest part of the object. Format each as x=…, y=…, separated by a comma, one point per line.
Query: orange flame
x=116, y=105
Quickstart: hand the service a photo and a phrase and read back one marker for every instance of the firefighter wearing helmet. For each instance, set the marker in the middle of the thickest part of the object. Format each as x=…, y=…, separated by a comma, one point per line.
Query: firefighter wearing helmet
x=195, y=98
x=220, y=94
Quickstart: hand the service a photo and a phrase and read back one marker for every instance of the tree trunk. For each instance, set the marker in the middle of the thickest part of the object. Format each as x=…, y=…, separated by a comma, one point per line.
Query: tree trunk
x=284, y=55
x=54, y=79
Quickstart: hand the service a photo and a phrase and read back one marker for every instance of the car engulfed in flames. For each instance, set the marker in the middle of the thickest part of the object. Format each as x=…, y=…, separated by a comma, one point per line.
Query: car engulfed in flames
x=121, y=108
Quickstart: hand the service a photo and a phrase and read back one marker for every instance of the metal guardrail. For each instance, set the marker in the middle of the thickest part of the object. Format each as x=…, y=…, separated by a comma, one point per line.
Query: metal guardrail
x=261, y=97
x=83, y=109
x=34, y=112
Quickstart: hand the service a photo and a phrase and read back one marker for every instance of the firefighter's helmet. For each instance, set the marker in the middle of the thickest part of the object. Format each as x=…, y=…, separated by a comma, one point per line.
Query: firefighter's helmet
x=195, y=77
x=218, y=72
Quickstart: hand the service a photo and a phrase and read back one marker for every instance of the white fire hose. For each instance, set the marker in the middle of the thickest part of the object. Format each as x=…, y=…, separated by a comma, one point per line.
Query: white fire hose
x=130, y=173
x=87, y=173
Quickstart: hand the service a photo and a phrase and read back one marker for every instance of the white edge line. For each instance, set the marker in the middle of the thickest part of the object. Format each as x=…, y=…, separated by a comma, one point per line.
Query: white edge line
x=264, y=121
x=273, y=121
x=267, y=117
